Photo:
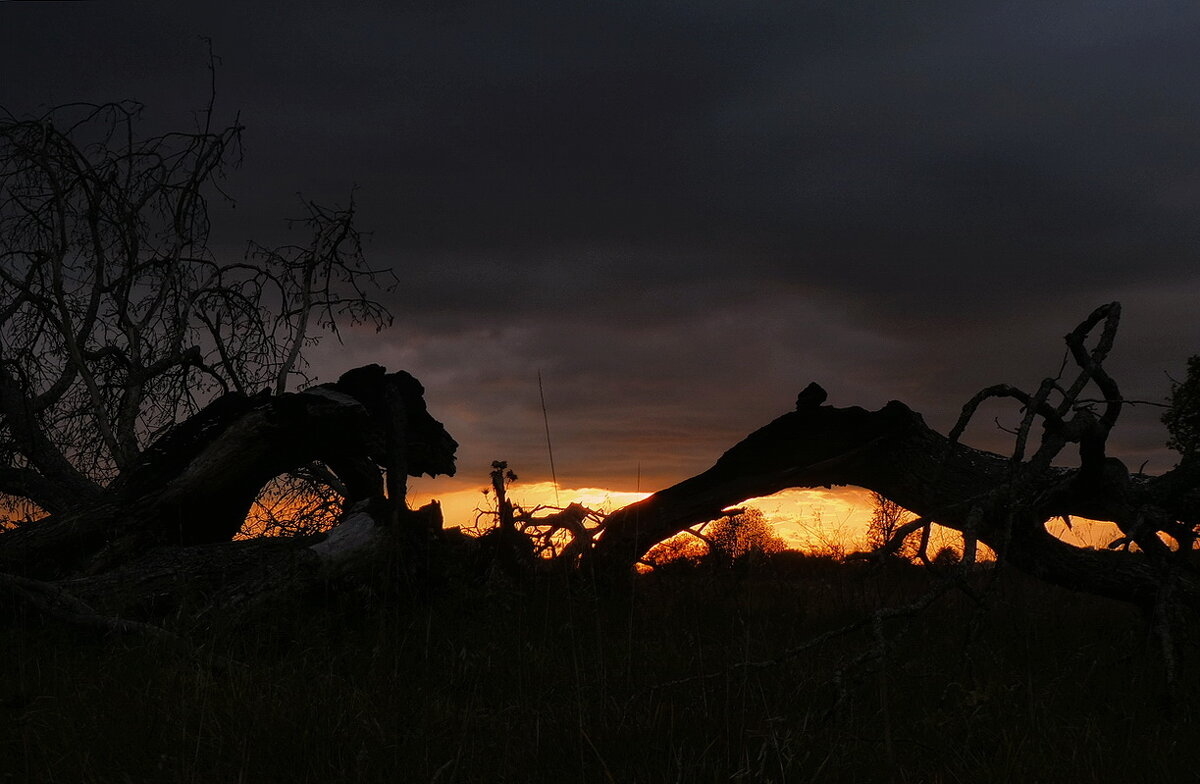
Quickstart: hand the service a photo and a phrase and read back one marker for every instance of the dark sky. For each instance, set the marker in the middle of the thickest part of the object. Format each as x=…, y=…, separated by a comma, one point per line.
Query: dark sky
x=681, y=213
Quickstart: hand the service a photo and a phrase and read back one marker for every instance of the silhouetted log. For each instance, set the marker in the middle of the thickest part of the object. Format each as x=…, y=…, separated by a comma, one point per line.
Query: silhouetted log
x=230, y=582
x=1001, y=502
x=226, y=579
x=195, y=485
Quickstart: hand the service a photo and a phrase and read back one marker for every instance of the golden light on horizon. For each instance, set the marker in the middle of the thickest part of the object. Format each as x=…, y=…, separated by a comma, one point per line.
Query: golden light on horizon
x=808, y=519
x=460, y=507
x=815, y=520
x=830, y=521
x=818, y=519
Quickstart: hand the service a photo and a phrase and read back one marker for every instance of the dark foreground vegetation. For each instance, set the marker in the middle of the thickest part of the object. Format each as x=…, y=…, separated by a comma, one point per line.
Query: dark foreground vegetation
x=554, y=682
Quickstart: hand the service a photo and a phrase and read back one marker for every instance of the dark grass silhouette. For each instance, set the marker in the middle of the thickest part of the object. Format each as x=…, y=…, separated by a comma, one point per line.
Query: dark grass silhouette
x=557, y=683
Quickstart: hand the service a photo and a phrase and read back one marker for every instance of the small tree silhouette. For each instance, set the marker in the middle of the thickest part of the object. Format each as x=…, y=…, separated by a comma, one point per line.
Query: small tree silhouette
x=1182, y=418
x=740, y=535
x=886, y=518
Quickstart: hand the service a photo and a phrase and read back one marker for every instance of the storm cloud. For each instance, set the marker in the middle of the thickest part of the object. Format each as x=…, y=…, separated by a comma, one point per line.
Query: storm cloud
x=681, y=213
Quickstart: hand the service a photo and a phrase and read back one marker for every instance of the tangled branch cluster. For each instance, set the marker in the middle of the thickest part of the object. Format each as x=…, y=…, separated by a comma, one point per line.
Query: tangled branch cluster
x=117, y=318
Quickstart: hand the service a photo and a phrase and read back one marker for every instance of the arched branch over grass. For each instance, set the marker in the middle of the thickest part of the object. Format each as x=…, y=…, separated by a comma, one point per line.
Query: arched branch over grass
x=1000, y=500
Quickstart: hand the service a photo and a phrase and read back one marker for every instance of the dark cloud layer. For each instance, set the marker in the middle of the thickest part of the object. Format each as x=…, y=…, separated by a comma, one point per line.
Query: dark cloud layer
x=680, y=213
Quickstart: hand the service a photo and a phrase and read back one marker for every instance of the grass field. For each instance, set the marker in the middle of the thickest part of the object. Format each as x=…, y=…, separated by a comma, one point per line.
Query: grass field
x=557, y=683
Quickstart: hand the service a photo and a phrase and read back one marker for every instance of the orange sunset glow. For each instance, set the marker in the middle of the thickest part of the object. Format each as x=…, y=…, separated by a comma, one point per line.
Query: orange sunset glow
x=815, y=520
x=807, y=519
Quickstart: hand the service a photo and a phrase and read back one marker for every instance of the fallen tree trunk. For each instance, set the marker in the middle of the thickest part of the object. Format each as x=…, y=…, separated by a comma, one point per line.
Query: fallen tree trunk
x=161, y=532
x=226, y=581
x=893, y=452
x=1002, y=501
x=196, y=484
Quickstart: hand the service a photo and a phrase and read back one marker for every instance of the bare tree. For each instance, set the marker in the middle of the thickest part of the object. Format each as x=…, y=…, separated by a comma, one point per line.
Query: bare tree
x=117, y=319
x=887, y=517
x=144, y=378
x=746, y=533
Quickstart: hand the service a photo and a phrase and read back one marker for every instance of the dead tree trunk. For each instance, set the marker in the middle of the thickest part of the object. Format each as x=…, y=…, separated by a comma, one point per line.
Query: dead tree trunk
x=164, y=527
x=1002, y=501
